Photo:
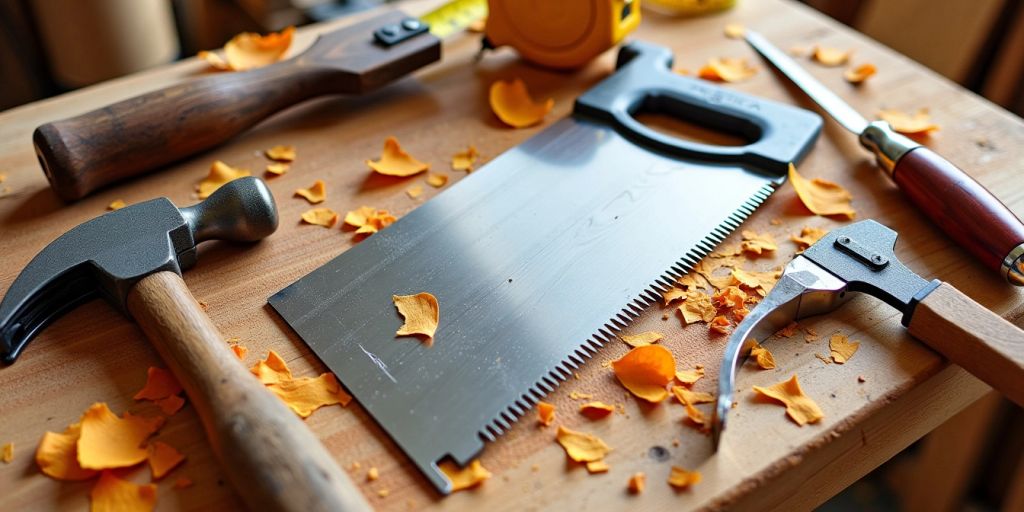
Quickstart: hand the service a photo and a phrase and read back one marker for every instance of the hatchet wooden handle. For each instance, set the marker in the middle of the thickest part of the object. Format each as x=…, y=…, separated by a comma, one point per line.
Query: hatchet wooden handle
x=973, y=337
x=83, y=153
x=273, y=460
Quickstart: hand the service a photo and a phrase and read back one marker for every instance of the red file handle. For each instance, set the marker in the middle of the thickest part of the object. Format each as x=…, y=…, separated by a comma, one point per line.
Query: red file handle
x=960, y=206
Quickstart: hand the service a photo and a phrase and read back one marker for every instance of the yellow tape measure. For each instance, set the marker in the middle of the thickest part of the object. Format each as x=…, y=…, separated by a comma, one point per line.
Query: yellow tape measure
x=554, y=33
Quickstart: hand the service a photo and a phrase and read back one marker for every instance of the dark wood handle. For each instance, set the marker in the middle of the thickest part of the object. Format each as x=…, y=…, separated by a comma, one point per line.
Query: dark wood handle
x=973, y=337
x=961, y=207
x=139, y=134
x=273, y=460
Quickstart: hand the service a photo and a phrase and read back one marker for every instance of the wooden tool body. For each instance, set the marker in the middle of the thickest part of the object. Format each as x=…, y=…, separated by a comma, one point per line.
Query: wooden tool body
x=140, y=134
x=273, y=460
x=973, y=337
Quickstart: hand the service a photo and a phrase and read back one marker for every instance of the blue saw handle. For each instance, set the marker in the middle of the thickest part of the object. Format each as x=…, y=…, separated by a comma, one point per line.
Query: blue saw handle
x=777, y=134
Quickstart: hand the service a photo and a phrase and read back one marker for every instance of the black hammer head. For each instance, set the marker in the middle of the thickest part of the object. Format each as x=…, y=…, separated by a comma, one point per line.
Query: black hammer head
x=107, y=255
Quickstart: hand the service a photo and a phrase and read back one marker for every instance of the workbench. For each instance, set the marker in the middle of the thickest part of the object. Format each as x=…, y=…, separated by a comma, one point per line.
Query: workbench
x=95, y=354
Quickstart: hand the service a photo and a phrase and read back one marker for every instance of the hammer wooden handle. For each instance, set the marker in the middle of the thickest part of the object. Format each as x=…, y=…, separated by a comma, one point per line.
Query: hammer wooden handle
x=273, y=460
x=973, y=337
x=146, y=132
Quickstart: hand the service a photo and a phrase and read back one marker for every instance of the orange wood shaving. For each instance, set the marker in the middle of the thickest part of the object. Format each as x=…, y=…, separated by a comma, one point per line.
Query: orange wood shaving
x=807, y=237
x=697, y=308
x=171, y=404
x=421, y=313
x=730, y=297
x=111, y=494
x=464, y=478
x=799, y=407
x=314, y=194
x=108, y=441
x=372, y=474
x=511, y=102
x=396, y=162
x=7, y=453
x=325, y=217
x=636, y=483
x=692, y=281
x=811, y=335
x=822, y=197
x=368, y=220
x=646, y=371
x=220, y=173
x=644, y=338
x=597, y=466
x=580, y=446
x=754, y=243
x=160, y=383
x=842, y=348
x=596, y=410
x=735, y=31
x=830, y=57
x=240, y=351
x=720, y=324
x=272, y=370
x=689, y=377
x=545, y=413
x=414, y=191
x=464, y=160
x=57, y=455
x=789, y=330
x=163, y=458
x=682, y=479
x=763, y=357
x=248, y=50
x=672, y=295
x=281, y=153
x=437, y=180
x=116, y=204
x=859, y=74
x=307, y=394
x=686, y=396
x=277, y=169
x=727, y=70
x=917, y=124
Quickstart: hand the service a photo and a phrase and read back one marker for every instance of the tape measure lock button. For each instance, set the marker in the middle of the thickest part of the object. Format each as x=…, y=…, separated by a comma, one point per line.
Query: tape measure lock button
x=394, y=33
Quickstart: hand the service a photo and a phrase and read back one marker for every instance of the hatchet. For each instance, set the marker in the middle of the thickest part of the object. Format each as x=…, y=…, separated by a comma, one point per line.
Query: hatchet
x=860, y=258
x=133, y=257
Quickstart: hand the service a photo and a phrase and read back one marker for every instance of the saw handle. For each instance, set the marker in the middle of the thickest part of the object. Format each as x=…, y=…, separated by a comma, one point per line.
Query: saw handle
x=960, y=206
x=130, y=137
x=273, y=460
x=973, y=337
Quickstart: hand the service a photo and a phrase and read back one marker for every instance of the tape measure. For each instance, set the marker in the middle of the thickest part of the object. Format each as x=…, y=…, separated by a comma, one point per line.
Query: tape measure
x=560, y=34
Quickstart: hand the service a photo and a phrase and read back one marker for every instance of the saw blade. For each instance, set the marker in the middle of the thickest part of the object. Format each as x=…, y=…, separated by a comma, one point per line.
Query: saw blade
x=537, y=259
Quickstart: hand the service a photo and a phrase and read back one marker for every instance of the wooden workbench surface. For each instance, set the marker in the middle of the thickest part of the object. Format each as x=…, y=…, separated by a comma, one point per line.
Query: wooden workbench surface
x=95, y=354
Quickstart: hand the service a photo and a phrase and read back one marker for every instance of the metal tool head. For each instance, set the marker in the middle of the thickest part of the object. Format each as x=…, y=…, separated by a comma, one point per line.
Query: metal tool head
x=855, y=258
x=107, y=255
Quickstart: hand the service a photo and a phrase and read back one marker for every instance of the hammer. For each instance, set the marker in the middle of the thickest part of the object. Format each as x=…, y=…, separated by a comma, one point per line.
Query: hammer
x=133, y=257
x=860, y=258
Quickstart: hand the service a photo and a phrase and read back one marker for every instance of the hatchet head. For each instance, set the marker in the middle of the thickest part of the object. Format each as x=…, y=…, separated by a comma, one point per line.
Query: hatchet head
x=105, y=256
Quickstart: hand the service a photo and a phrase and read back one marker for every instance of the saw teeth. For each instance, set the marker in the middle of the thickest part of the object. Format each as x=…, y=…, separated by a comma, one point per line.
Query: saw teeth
x=609, y=331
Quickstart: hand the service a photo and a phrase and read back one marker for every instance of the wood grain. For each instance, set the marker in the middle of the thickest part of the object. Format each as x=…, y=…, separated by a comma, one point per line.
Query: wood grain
x=140, y=134
x=973, y=337
x=272, y=459
x=94, y=354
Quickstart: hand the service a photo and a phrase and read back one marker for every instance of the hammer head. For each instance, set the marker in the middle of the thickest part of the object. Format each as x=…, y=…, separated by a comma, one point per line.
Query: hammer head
x=107, y=255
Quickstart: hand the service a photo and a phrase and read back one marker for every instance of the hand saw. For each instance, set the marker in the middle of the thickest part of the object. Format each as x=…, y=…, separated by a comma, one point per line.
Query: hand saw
x=541, y=255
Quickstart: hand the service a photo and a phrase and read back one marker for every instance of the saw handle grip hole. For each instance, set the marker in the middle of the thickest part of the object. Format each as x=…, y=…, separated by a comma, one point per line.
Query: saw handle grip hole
x=682, y=120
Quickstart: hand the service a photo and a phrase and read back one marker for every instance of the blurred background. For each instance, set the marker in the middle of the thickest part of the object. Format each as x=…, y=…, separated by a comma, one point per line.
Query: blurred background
x=974, y=462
